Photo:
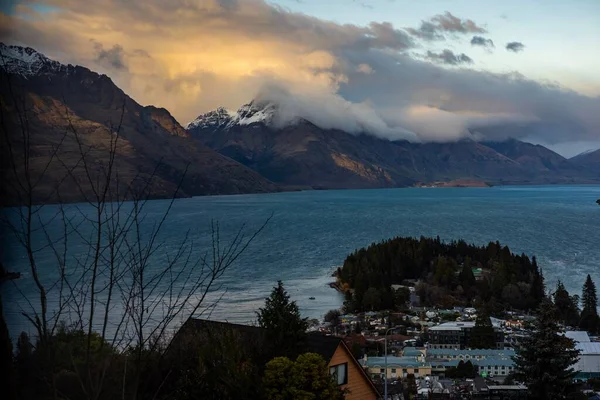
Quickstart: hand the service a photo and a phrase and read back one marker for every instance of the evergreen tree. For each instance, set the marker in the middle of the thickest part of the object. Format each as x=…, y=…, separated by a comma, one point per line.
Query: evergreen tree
x=466, y=277
x=546, y=357
x=566, y=305
x=537, y=290
x=589, y=313
x=281, y=318
x=483, y=335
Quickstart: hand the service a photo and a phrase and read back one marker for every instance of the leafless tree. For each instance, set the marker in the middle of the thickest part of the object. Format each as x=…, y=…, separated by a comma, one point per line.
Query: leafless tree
x=115, y=292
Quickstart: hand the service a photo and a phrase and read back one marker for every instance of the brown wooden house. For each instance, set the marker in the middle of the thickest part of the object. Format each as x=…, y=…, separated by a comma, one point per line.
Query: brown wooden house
x=341, y=363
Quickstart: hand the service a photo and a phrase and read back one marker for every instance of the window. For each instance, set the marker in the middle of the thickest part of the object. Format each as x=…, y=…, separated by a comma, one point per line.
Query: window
x=340, y=372
x=393, y=370
x=405, y=371
x=416, y=370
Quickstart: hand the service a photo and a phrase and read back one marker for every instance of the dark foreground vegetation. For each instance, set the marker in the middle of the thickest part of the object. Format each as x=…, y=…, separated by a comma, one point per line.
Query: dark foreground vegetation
x=213, y=363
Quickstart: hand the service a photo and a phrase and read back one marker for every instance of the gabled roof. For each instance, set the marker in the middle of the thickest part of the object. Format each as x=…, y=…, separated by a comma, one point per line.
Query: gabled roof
x=322, y=344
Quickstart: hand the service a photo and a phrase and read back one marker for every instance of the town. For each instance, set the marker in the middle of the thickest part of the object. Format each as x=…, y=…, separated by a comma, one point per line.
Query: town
x=429, y=350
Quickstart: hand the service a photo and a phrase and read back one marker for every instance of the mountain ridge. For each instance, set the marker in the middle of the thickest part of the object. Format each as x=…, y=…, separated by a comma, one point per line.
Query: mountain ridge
x=288, y=154
x=589, y=159
x=152, y=144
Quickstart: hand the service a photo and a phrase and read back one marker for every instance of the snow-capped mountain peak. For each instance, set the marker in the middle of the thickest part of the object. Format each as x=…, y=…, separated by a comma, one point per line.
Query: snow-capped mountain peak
x=26, y=61
x=251, y=113
x=217, y=118
x=255, y=112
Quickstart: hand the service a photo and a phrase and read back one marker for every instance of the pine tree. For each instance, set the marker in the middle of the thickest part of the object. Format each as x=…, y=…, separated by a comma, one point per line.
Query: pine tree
x=280, y=317
x=483, y=335
x=589, y=313
x=566, y=305
x=546, y=357
x=466, y=277
x=537, y=290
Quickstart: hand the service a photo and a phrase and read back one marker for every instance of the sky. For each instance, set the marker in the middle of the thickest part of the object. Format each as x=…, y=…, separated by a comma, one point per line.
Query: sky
x=436, y=70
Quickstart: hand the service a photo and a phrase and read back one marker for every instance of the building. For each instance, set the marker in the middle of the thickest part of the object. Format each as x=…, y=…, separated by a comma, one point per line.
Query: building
x=397, y=367
x=588, y=363
x=490, y=362
x=456, y=335
x=340, y=362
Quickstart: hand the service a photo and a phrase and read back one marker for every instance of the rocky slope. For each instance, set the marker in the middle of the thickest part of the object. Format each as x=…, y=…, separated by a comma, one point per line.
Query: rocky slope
x=300, y=154
x=66, y=111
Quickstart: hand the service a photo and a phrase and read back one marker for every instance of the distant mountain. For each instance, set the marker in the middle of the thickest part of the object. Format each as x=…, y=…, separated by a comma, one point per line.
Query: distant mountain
x=58, y=98
x=301, y=154
x=589, y=159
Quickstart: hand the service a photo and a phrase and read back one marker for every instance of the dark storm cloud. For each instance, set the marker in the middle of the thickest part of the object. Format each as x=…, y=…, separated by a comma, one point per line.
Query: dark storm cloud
x=448, y=57
x=481, y=41
x=515, y=46
x=435, y=28
x=113, y=57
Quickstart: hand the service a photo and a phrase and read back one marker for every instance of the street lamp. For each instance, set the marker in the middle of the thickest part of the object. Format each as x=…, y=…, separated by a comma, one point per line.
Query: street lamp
x=385, y=391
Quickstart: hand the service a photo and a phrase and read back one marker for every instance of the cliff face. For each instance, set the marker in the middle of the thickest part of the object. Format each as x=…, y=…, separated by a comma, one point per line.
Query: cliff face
x=67, y=111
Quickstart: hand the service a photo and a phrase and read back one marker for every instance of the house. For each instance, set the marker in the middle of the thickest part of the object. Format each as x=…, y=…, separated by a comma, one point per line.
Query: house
x=340, y=361
x=397, y=367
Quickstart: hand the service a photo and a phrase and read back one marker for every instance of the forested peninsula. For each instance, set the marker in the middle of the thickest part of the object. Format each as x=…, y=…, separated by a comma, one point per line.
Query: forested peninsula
x=443, y=274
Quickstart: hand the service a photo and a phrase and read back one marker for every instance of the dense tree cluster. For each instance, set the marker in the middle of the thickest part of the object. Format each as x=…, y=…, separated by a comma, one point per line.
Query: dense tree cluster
x=445, y=270
x=462, y=370
x=568, y=311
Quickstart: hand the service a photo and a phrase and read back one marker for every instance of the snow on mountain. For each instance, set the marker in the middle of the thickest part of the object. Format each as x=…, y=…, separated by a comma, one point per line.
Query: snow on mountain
x=26, y=61
x=213, y=119
x=248, y=114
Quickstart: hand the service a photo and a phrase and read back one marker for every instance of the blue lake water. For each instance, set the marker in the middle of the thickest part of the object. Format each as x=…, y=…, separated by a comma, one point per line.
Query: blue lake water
x=311, y=232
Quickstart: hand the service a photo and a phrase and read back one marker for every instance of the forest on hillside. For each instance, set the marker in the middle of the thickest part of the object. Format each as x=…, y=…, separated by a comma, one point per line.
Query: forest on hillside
x=448, y=273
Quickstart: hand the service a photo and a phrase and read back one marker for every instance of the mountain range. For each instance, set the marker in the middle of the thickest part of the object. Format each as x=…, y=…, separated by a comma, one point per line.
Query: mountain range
x=301, y=154
x=71, y=110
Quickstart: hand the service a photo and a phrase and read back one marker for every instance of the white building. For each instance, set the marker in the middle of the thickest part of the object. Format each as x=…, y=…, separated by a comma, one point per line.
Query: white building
x=588, y=364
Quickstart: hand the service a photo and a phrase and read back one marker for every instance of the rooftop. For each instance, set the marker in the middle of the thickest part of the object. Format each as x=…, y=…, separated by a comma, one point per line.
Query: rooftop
x=592, y=348
x=456, y=325
x=486, y=362
x=395, y=362
x=578, y=336
x=411, y=351
x=471, y=352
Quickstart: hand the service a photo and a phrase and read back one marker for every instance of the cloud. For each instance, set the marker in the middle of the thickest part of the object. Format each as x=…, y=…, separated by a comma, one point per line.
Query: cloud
x=481, y=41
x=364, y=5
x=197, y=55
x=448, y=57
x=435, y=28
x=515, y=46
x=114, y=57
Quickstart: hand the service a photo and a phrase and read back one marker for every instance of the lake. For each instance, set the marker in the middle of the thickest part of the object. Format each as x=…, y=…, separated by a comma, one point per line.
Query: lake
x=311, y=233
